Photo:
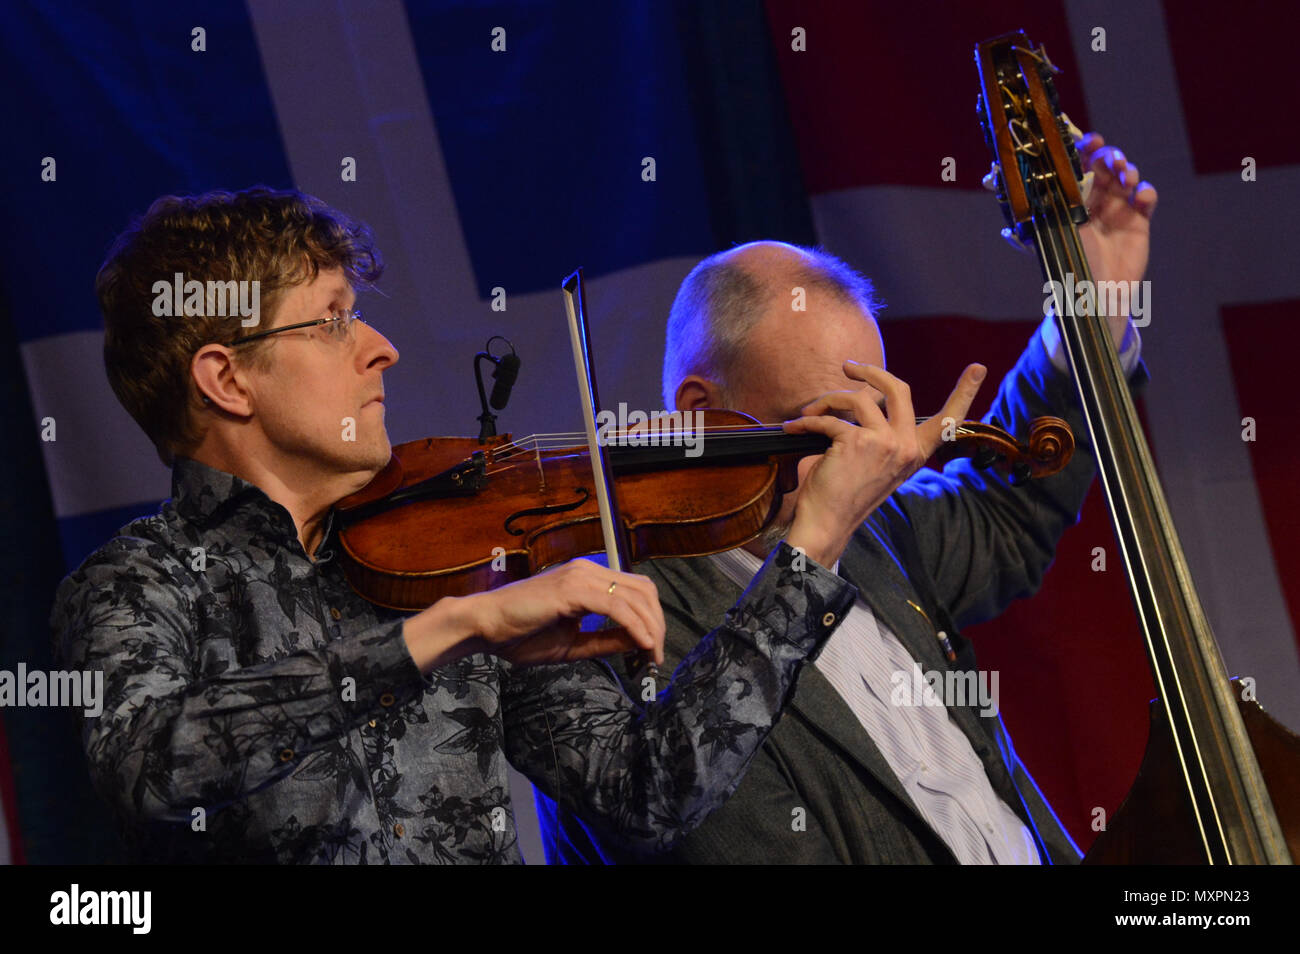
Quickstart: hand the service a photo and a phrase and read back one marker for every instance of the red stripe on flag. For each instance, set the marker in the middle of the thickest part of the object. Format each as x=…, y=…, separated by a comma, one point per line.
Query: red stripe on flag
x=9, y=797
x=1262, y=375
x=884, y=92
x=1074, y=681
x=1236, y=79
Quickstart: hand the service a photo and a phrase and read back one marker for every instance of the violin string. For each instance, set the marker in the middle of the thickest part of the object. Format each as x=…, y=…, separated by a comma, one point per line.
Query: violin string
x=571, y=436
x=532, y=446
x=574, y=438
x=559, y=439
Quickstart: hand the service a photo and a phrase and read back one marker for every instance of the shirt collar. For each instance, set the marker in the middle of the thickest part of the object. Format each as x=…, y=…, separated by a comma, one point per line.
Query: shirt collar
x=200, y=491
x=205, y=495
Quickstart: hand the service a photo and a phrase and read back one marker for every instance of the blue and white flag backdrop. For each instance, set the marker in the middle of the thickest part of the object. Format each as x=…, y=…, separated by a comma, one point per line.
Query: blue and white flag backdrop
x=499, y=145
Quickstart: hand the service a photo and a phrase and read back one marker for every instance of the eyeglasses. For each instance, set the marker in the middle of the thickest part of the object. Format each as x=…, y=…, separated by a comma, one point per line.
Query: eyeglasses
x=338, y=327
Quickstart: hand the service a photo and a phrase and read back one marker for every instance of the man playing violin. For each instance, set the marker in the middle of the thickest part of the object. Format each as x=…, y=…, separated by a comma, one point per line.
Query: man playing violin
x=857, y=771
x=258, y=710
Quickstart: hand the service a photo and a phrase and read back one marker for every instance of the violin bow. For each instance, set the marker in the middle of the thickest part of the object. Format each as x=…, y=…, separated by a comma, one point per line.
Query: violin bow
x=640, y=664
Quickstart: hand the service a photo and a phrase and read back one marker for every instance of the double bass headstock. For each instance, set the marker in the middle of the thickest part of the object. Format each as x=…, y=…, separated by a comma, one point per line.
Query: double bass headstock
x=1036, y=170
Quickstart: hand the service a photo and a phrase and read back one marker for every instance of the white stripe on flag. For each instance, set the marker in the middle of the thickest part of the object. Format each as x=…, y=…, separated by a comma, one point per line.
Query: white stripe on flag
x=99, y=458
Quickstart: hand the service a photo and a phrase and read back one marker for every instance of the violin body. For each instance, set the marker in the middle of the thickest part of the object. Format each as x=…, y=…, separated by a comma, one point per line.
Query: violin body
x=537, y=509
x=449, y=516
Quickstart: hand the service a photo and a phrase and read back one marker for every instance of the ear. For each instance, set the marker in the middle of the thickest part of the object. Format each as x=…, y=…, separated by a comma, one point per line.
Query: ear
x=696, y=392
x=218, y=385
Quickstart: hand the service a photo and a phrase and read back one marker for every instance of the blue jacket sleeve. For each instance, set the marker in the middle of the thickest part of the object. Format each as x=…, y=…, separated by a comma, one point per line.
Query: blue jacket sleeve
x=983, y=541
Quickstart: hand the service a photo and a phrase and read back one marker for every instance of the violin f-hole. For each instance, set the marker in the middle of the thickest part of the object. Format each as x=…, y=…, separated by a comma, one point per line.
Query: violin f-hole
x=541, y=511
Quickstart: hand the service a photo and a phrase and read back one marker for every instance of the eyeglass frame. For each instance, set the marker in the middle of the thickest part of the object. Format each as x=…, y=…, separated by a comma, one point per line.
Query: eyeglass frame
x=351, y=316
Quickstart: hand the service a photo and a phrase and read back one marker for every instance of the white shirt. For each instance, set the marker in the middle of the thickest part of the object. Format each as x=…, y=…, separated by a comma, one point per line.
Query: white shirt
x=930, y=755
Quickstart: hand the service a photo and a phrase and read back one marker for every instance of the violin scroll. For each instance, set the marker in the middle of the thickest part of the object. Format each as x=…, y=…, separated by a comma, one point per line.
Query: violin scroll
x=1046, y=452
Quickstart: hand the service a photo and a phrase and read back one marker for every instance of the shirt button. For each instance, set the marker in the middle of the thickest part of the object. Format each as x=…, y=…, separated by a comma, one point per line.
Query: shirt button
x=387, y=699
x=828, y=619
x=335, y=614
x=286, y=755
x=399, y=830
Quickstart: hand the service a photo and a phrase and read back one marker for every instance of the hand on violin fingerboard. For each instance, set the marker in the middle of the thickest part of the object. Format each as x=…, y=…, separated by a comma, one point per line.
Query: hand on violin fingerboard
x=536, y=621
x=872, y=453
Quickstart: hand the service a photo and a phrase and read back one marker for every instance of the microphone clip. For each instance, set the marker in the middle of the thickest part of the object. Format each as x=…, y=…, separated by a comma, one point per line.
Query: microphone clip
x=505, y=373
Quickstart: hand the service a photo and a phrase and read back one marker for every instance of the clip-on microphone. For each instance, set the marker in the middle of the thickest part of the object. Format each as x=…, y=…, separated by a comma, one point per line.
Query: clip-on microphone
x=504, y=375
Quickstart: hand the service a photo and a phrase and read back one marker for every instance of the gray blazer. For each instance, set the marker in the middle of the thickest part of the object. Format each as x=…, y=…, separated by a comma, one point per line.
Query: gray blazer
x=962, y=544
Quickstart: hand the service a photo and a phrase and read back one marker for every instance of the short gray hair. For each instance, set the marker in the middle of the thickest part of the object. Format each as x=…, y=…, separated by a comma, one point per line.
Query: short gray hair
x=720, y=303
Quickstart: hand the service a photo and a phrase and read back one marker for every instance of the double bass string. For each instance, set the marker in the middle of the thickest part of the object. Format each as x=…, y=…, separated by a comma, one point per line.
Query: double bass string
x=1106, y=379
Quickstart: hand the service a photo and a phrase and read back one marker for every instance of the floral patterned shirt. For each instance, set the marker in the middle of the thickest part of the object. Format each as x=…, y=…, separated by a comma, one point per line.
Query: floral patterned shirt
x=258, y=710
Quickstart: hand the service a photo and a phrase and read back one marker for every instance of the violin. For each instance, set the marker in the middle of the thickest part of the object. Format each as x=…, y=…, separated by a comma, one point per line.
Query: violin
x=449, y=516
x=1220, y=779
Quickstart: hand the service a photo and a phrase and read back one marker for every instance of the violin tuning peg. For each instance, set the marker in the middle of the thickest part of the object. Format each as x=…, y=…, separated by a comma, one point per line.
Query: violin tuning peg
x=1020, y=473
x=984, y=458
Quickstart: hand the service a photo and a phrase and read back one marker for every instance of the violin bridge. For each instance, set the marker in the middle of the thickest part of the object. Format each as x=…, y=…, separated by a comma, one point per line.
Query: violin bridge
x=541, y=472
